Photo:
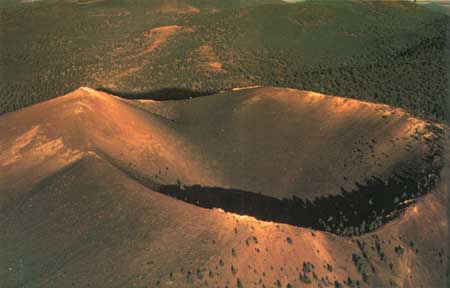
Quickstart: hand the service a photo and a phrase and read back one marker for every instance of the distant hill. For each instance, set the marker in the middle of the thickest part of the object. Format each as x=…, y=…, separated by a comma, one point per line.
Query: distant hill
x=389, y=52
x=200, y=3
x=440, y=6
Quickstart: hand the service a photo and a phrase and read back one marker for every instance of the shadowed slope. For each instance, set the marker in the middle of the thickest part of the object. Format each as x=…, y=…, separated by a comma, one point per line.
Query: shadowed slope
x=91, y=225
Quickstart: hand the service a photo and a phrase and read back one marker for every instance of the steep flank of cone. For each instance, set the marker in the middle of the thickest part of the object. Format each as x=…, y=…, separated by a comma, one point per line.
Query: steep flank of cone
x=82, y=179
x=305, y=153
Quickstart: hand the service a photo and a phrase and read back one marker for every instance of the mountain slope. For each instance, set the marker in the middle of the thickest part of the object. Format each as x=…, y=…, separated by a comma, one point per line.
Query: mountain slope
x=265, y=140
x=82, y=192
x=92, y=225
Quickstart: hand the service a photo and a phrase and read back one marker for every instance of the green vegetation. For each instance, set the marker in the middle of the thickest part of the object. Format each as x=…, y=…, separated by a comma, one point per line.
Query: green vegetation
x=189, y=278
x=233, y=270
x=239, y=283
x=361, y=265
x=304, y=278
x=390, y=52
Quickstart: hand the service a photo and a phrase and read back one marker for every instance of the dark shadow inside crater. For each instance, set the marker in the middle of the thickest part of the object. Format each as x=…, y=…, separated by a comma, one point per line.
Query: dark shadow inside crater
x=364, y=209
x=162, y=94
x=349, y=213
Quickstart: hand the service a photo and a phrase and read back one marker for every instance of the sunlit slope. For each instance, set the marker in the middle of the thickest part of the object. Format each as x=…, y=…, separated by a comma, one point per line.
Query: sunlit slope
x=85, y=121
x=286, y=142
x=278, y=142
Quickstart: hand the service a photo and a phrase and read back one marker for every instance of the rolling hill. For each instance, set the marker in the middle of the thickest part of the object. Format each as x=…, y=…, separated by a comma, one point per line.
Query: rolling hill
x=392, y=52
x=93, y=182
